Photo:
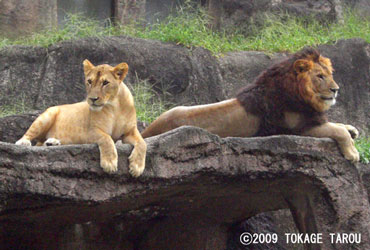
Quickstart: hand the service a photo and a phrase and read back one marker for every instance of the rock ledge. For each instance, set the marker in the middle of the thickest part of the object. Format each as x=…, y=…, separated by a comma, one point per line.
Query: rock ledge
x=195, y=186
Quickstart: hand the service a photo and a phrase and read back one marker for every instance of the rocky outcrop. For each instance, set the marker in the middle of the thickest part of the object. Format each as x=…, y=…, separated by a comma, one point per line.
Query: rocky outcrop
x=54, y=75
x=20, y=17
x=127, y=11
x=195, y=186
x=44, y=77
x=242, y=14
x=13, y=127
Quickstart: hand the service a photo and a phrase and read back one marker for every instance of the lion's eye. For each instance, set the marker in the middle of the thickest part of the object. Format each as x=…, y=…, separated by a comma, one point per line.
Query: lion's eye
x=321, y=76
x=89, y=82
x=105, y=83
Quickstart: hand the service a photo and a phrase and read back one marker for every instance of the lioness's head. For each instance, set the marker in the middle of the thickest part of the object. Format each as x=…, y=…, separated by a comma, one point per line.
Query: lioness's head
x=315, y=75
x=102, y=83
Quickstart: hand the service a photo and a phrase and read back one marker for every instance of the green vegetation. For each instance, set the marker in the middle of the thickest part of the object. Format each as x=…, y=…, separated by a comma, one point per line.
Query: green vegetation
x=363, y=147
x=278, y=33
x=190, y=27
x=76, y=26
x=19, y=107
x=148, y=104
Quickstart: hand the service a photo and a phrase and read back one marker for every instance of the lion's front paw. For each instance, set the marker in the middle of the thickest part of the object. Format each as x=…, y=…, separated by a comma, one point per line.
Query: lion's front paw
x=353, y=131
x=137, y=165
x=351, y=154
x=23, y=142
x=52, y=142
x=109, y=165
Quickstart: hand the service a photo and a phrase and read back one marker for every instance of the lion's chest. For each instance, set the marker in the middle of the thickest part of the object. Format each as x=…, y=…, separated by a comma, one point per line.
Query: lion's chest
x=119, y=128
x=113, y=124
x=292, y=120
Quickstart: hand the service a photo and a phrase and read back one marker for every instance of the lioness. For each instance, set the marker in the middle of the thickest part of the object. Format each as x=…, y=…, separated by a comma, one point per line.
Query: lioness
x=107, y=115
x=287, y=98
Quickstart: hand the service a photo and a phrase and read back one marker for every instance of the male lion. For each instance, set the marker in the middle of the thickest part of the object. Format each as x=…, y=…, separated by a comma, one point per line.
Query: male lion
x=287, y=98
x=107, y=115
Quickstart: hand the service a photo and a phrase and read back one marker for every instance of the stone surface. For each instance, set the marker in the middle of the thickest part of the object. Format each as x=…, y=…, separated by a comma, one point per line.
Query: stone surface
x=13, y=127
x=362, y=7
x=20, y=17
x=54, y=75
x=351, y=62
x=239, y=69
x=127, y=11
x=230, y=13
x=195, y=187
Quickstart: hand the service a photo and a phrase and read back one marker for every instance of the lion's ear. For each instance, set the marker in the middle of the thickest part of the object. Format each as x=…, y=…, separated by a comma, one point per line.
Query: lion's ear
x=120, y=71
x=87, y=66
x=302, y=65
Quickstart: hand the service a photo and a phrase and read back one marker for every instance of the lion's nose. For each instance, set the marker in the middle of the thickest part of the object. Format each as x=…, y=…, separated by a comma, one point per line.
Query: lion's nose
x=94, y=99
x=334, y=90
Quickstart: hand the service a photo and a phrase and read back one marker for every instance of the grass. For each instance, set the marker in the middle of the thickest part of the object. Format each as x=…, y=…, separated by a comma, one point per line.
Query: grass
x=363, y=147
x=19, y=107
x=76, y=26
x=190, y=27
x=149, y=105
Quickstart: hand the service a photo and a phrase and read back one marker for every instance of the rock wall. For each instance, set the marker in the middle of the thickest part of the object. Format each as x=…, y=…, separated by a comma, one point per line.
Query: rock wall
x=20, y=17
x=43, y=77
x=127, y=11
x=230, y=13
x=195, y=187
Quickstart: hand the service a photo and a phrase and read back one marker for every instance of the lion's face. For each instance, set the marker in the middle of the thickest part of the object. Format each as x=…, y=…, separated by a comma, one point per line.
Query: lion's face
x=320, y=90
x=102, y=83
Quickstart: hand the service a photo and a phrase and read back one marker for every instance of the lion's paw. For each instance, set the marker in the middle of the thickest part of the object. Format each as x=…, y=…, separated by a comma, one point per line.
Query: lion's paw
x=23, y=142
x=137, y=165
x=351, y=154
x=109, y=165
x=52, y=142
x=353, y=131
x=135, y=170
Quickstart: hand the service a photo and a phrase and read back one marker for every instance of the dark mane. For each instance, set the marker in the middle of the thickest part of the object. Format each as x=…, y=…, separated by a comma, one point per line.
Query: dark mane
x=277, y=90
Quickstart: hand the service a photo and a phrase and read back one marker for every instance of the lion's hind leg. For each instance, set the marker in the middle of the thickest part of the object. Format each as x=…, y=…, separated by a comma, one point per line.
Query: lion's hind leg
x=39, y=127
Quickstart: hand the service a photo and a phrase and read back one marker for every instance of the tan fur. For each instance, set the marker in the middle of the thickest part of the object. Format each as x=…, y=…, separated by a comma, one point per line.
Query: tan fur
x=316, y=86
x=225, y=118
x=107, y=115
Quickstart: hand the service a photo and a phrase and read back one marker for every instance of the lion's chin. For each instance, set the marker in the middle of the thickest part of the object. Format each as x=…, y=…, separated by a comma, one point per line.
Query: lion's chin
x=96, y=107
x=329, y=101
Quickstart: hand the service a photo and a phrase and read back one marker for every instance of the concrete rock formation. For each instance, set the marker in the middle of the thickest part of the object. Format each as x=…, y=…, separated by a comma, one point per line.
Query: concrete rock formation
x=195, y=186
x=20, y=17
x=240, y=13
